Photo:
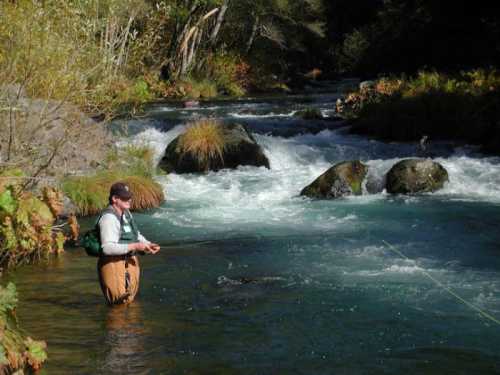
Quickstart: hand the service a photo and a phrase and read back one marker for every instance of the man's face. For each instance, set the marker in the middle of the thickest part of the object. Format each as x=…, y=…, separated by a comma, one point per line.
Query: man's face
x=121, y=203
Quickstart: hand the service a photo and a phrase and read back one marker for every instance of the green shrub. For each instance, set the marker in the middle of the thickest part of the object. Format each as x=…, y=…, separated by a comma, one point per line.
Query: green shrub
x=135, y=160
x=17, y=352
x=192, y=88
x=230, y=74
x=354, y=51
x=27, y=231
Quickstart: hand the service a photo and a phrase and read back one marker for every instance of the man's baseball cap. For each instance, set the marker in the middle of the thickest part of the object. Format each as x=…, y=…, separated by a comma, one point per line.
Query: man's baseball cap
x=120, y=190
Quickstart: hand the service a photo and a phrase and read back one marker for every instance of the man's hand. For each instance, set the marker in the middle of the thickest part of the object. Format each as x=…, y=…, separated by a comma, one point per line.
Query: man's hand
x=138, y=246
x=146, y=248
x=152, y=248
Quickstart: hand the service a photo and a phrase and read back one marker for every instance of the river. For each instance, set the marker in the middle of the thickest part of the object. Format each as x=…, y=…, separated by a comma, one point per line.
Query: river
x=254, y=279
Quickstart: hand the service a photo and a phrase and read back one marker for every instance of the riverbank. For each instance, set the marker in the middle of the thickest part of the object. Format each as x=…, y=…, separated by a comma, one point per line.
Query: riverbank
x=462, y=107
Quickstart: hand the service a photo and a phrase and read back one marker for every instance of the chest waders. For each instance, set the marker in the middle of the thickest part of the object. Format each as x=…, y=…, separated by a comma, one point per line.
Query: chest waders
x=119, y=274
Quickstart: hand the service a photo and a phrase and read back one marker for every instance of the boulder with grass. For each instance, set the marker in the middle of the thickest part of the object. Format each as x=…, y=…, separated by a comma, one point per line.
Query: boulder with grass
x=343, y=179
x=412, y=176
x=208, y=145
x=310, y=114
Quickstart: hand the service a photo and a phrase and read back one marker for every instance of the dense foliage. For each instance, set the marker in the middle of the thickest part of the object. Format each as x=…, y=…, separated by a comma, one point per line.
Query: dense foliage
x=394, y=36
x=17, y=352
x=28, y=229
x=461, y=106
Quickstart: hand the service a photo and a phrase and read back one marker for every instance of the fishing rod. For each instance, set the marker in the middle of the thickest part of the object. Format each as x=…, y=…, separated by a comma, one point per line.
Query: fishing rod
x=483, y=313
x=243, y=239
x=236, y=239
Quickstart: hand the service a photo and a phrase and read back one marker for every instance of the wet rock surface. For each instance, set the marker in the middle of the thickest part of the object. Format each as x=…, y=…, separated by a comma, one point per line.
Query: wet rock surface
x=411, y=176
x=343, y=179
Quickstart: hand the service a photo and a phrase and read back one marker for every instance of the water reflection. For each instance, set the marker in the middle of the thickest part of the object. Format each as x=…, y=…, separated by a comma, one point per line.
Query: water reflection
x=125, y=340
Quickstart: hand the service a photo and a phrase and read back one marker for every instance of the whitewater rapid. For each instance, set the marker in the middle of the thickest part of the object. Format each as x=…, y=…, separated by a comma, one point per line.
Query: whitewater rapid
x=297, y=161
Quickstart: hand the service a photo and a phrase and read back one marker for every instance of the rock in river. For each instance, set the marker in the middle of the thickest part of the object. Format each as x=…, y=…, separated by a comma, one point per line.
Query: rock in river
x=225, y=146
x=416, y=176
x=342, y=179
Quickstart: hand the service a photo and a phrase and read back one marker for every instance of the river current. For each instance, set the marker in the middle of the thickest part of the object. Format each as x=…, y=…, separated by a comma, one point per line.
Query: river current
x=254, y=279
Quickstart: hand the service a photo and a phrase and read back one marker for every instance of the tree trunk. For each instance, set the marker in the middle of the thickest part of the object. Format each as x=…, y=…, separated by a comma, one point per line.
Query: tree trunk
x=220, y=20
x=255, y=28
x=189, y=41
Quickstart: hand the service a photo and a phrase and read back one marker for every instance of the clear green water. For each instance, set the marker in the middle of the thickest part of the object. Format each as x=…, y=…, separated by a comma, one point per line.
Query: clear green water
x=255, y=280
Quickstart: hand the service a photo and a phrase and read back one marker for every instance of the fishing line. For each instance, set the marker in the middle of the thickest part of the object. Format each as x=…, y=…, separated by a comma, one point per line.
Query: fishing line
x=483, y=313
x=239, y=239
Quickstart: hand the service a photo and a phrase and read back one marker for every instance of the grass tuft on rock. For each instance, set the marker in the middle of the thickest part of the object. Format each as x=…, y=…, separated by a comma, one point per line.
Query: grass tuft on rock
x=90, y=193
x=204, y=141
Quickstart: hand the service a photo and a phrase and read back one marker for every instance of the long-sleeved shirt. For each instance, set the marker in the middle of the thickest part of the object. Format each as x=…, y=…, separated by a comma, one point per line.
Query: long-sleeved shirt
x=109, y=227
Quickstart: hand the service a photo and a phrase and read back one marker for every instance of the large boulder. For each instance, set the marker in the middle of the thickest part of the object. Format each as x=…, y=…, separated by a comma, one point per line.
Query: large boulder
x=341, y=180
x=416, y=176
x=239, y=148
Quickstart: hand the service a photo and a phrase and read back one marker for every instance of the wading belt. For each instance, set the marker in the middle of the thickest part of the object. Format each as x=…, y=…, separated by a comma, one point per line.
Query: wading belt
x=127, y=274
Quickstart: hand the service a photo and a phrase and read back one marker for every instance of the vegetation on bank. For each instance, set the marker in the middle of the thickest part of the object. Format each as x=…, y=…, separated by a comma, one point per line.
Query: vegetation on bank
x=17, y=352
x=29, y=229
x=90, y=193
x=461, y=106
x=130, y=164
x=102, y=55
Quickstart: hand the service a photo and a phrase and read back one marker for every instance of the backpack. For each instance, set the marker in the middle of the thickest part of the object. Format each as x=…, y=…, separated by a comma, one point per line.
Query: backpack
x=91, y=241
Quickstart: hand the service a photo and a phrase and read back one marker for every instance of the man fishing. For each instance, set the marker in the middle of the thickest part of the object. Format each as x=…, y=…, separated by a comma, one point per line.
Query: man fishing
x=118, y=266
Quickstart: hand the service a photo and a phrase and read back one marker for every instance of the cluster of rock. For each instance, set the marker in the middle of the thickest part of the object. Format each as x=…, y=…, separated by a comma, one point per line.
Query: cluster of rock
x=409, y=176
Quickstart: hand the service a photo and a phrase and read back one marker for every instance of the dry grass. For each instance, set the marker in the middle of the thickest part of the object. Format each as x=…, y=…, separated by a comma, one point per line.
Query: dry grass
x=204, y=141
x=90, y=194
x=147, y=193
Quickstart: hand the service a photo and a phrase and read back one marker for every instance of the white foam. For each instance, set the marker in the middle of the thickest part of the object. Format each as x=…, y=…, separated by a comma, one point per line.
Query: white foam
x=403, y=269
x=156, y=140
x=472, y=178
x=267, y=115
x=253, y=196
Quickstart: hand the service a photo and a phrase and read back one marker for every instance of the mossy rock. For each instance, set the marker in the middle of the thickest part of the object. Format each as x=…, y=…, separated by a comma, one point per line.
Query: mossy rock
x=343, y=179
x=310, y=114
x=412, y=176
x=239, y=147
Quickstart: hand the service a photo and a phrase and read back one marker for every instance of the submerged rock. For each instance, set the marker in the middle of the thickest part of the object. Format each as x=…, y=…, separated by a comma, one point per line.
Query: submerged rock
x=191, y=104
x=416, y=176
x=238, y=148
x=341, y=180
x=310, y=114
